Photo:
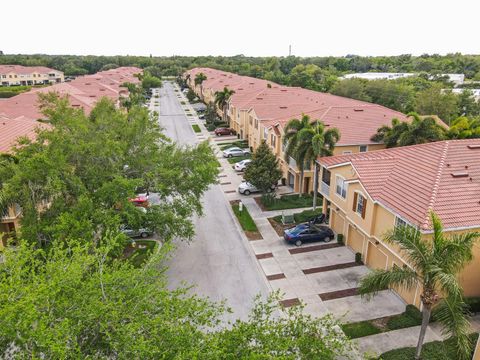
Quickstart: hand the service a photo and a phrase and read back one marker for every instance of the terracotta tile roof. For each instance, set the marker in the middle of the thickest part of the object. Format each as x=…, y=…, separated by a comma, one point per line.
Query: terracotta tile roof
x=82, y=92
x=413, y=180
x=23, y=70
x=18, y=114
x=277, y=104
x=12, y=129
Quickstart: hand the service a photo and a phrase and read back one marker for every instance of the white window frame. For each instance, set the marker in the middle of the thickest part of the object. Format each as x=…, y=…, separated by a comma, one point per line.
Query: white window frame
x=343, y=187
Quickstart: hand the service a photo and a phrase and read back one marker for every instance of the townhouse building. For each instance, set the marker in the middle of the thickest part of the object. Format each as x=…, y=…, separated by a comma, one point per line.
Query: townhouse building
x=260, y=109
x=11, y=75
x=368, y=194
x=19, y=117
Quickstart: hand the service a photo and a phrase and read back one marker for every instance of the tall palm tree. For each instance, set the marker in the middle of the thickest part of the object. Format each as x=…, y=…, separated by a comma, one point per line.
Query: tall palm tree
x=221, y=100
x=314, y=142
x=417, y=131
x=435, y=265
x=290, y=140
x=199, y=79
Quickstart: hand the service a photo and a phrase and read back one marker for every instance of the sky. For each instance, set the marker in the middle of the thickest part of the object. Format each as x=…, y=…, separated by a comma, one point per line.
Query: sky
x=248, y=27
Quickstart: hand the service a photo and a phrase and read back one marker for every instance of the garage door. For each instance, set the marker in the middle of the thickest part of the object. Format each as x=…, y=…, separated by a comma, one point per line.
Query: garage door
x=355, y=239
x=337, y=223
x=375, y=258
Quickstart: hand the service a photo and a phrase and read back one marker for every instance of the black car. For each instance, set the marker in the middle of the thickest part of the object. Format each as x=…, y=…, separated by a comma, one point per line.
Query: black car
x=308, y=233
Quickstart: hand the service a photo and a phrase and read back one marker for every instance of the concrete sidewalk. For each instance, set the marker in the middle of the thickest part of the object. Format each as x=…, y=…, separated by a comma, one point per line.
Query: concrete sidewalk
x=407, y=337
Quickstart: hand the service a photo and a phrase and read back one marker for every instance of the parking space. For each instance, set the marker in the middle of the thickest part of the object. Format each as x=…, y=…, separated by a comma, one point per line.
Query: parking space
x=324, y=276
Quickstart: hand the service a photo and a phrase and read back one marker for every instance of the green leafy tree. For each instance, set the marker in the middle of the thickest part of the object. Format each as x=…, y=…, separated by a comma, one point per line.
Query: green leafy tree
x=76, y=179
x=211, y=114
x=149, y=81
x=315, y=141
x=191, y=96
x=264, y=170
x=199, y=79
x=403, y=133
x=434, y=264
x=434, y=101
x=77, y=301
x=467, y=104
x=464, y=128
x=221, y=100
x=352, y=88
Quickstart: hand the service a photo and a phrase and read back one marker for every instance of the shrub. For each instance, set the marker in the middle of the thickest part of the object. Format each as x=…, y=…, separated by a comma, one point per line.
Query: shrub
x=410, y=317
x=360, y=329
x=211, y=127
x=340, y=239
x=358, y=258
x=473, y=304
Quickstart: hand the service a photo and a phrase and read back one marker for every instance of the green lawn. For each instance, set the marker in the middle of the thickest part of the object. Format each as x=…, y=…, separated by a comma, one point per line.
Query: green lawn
x=435, y=350
x=410, y=317
x=292, y=202
x=138, y=256
x=235, y=159
x=360, y=329
x=244, y=218
x=196, y=128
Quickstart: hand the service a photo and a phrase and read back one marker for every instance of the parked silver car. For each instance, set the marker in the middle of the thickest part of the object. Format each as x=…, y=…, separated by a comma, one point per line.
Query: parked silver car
x=246, y=188
x=235, y=151
x=242, y=165
x=132, y=233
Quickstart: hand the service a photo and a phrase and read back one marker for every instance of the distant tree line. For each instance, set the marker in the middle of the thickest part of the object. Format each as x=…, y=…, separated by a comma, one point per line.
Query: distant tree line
x=422, y=94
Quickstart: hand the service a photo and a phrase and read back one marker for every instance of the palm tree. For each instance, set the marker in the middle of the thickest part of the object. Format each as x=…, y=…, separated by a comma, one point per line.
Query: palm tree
x=314, y=142
x=290, y=140
x=402, y=133
x=435, y=265
x=221, y=100
x=199, y=79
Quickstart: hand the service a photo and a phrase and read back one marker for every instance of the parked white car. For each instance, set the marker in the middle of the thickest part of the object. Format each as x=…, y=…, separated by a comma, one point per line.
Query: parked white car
x=246, y=188
x=242, y=165
x=235, y=151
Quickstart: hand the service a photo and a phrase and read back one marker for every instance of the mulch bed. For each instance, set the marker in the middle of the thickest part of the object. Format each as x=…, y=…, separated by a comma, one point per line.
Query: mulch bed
x=338, y=294
x=253, y=235
x=330, y=268
x=300, y=250
x=258, y=200
x=290, y=302
x=279, y=227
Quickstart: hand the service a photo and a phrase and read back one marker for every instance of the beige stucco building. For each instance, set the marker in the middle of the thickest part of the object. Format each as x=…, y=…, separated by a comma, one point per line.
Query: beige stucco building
x=259, y=110
x=12, y=75
x=366, y=195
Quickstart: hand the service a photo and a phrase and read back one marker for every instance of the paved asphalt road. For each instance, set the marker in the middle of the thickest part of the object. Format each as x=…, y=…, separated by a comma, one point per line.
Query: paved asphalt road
x=218, y=261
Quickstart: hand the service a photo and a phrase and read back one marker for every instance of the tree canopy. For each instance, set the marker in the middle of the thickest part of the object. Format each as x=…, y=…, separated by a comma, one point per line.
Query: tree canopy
x=76, y=179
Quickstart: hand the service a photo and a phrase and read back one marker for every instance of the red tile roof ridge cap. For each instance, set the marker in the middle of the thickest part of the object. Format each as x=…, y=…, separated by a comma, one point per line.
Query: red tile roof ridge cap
x=436, y=185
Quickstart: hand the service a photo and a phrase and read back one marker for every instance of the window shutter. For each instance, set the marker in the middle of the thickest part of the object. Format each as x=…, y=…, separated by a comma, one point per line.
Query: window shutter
x=364, y=210
x=355, y=197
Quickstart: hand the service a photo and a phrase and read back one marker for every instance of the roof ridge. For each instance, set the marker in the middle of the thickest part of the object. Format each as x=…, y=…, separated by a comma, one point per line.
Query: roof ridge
x=436, y=185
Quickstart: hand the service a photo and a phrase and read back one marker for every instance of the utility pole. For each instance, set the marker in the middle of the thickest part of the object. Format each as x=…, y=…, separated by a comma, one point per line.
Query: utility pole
x=289, y=50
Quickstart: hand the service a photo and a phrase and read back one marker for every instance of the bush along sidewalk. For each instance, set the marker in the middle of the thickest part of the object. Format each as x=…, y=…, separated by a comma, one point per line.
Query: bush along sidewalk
x=410, y=317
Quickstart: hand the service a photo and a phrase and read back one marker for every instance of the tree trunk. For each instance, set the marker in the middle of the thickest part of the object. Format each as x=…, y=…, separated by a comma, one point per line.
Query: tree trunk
x=300, y=188
x=315, y=185
x=225, y=114
x=426, y=312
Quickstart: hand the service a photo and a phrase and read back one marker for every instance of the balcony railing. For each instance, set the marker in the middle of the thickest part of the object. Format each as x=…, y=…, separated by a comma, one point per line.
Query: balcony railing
x=324, y=188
